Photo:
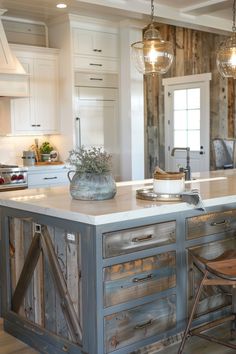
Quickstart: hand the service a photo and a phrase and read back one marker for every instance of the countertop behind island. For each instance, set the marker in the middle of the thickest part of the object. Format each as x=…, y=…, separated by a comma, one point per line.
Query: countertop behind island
x=215, y=187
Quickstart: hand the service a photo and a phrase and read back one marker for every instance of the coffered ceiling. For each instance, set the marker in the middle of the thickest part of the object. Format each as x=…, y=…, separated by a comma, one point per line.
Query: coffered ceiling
x=212, y=13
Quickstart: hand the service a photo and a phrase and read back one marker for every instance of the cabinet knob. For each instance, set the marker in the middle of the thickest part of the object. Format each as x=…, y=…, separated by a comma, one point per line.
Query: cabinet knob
x=97, y=50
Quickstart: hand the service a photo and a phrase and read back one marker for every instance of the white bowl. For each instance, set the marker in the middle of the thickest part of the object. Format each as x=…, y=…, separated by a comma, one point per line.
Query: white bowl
x=169, y=183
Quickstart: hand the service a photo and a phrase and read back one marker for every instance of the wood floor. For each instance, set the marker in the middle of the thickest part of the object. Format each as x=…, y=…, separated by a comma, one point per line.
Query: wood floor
x=194, y=345
x=10, y=345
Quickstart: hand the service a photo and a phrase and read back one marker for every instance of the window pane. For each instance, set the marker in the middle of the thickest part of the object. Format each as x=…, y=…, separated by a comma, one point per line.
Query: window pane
x=180, y=99
x=180, y=138
x=194, y=119
x=194, y=139
x=193, y=98
x=180, y=120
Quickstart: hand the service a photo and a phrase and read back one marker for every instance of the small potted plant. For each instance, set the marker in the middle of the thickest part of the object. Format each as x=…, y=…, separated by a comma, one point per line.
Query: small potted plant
x=92, y=179
x=45, y=150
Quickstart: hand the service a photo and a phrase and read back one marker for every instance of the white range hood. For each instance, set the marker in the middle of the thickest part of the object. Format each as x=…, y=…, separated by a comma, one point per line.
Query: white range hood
x=13, y=78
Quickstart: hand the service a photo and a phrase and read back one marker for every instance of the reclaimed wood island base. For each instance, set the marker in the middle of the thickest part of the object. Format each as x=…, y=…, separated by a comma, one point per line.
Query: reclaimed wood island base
x=112, y=276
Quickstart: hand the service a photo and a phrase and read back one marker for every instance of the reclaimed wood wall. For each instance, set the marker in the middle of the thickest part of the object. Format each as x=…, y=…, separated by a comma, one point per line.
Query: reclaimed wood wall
x=42, y=304
x=195, y=53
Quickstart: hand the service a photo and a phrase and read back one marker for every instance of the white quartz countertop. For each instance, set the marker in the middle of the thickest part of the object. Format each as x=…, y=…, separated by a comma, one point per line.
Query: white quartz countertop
x=216, y=188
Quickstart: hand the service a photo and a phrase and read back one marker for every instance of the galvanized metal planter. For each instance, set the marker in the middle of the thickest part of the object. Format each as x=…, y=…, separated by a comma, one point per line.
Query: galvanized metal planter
x=92, y=186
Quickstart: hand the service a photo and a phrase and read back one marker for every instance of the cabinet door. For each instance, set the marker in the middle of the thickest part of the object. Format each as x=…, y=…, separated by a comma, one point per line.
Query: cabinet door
x=22, y=108
x=98, y=121
x=38, y=113
x=96, y=43
x=45, y=94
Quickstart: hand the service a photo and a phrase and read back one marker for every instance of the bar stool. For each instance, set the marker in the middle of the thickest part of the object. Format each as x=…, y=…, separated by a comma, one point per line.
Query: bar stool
x=218, y=271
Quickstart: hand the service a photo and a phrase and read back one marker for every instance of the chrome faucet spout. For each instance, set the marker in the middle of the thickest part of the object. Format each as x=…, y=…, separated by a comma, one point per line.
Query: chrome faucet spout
x=187, y=170
x=180, y=148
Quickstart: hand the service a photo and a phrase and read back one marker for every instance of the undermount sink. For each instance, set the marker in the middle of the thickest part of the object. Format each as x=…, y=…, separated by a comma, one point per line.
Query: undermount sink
x=210, y=179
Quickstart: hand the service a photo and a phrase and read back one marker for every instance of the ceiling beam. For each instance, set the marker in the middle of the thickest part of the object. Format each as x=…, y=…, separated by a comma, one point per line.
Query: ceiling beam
x=207, y=7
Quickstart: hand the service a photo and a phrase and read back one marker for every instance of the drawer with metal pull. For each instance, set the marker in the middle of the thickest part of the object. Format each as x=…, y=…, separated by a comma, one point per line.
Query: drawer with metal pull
x=47, y=178
x=137, y=239
x=97, y=80
x=95, y=64
x=130, y=326
x=141, y=277
x=209, y=224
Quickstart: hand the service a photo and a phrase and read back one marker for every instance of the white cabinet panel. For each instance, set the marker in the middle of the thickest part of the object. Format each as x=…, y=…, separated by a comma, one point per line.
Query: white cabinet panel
x=47, y=178
x=97, y=121
x=38, y=113
x=46, y=94
x=22, y=109
x=92, y=64
x=96, y=79
x=95, y=43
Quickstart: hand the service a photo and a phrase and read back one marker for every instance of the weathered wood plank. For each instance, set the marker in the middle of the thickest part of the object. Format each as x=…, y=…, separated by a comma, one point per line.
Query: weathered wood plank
x=60, y=251
x=139, y=278
x=139, y=323
x=49, y=292
x=210, y=224
x=136, y=239
x=59, y=281
x=195, y=53
x=27, y=273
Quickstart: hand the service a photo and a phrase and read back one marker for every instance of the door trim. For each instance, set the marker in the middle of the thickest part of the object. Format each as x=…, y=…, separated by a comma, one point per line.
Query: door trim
x=204, y=81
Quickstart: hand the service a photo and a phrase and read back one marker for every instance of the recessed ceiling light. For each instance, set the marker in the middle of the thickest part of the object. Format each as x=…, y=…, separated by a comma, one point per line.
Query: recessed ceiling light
x=61, y=6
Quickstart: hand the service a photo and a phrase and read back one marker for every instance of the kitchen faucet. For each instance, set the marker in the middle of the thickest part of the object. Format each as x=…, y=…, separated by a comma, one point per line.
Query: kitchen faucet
x=187, y=169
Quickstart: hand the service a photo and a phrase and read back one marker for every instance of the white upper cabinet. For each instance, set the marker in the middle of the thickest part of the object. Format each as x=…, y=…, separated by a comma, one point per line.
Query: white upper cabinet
x=95, y=50
x=98, y=44
x=38, y=113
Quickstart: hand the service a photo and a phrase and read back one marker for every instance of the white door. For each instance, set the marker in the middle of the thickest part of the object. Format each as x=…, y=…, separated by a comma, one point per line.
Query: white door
x=187, y=115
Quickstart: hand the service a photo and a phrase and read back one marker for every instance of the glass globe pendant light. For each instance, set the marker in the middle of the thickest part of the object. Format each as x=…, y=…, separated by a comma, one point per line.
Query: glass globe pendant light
x=226, y=56
x=153, y=55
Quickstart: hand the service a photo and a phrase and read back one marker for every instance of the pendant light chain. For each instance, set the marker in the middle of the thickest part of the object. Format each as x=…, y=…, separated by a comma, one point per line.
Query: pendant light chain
x=152, y=11
x=234, y=11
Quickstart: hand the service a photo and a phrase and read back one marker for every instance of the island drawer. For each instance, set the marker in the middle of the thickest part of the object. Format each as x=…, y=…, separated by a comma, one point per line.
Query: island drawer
x=142, y=277
x=130, y=326
x=209, y=224
x=137, y=239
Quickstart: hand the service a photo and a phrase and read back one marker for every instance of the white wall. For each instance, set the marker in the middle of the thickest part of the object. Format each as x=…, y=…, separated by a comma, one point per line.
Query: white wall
x=131, y=107
x=11, y=148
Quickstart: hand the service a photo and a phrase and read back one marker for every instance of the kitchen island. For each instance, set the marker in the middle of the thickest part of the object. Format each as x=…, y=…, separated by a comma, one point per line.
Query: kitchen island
x=110, y=276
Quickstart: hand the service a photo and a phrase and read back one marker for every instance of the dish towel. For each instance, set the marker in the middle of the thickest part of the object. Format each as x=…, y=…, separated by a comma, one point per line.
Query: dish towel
x=193, y=197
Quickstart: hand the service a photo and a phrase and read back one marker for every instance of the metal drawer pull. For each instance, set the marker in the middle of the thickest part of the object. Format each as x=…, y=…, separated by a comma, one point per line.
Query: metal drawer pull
x=95, y=79
x=97, y=50
x=95, y=64
x=223, y=222
x=144, y=325
x=140, y=280
x=142, y=238
x=50, y=177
